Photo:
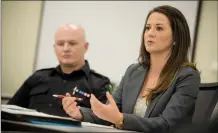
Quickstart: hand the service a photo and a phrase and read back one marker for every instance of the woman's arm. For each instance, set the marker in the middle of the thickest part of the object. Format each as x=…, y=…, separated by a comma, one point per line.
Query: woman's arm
x=88, y=116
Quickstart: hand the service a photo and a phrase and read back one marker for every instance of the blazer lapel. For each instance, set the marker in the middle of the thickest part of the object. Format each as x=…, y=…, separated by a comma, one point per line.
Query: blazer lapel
x=133, y=89
x=152, y=104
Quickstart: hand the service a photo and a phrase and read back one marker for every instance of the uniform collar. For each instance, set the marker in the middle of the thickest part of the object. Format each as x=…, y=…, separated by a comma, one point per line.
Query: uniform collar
x=85, y=68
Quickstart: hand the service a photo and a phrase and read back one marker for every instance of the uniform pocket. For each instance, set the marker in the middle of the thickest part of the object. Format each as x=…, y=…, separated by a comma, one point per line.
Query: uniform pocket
x=39, y=94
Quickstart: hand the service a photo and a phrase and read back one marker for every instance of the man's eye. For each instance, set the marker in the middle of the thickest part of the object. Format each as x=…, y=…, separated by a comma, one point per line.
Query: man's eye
x=72, y=43
x=60, y=44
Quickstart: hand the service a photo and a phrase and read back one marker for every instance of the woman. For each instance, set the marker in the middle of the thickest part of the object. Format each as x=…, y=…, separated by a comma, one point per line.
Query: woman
x=158, y=94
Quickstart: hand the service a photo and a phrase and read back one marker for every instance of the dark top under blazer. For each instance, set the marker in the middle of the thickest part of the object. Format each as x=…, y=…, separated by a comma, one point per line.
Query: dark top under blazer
x=167, y=111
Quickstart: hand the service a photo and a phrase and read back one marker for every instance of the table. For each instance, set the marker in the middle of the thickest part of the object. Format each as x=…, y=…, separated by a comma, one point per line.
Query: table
x=9, y=126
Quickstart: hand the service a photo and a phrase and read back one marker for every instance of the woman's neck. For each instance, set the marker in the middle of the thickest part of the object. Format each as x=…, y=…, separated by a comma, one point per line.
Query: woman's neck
x=158, y=62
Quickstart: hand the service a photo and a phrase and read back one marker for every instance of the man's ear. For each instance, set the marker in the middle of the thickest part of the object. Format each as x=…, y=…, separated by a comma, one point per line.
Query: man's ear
x=54, y=47
x=86, y=46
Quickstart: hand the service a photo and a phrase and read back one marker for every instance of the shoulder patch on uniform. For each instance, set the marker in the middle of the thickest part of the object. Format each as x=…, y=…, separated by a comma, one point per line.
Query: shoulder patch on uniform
x=111, y=88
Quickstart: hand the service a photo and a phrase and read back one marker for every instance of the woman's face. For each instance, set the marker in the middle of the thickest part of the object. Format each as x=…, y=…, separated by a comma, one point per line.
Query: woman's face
x=158, y=34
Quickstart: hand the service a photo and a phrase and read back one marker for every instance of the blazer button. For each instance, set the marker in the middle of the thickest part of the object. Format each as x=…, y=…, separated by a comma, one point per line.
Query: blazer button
x=65, y=81
x=50, y=105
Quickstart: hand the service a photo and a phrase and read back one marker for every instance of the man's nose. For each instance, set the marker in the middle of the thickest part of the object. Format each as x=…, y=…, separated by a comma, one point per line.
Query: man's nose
x=66, y=46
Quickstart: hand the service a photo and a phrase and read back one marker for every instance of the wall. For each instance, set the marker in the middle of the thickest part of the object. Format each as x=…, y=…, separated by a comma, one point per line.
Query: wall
x=206, y=46
x=113, y=29
x=20, y=25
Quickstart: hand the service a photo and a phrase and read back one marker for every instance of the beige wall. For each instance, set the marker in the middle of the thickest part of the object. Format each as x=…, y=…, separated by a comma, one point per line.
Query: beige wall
x=20, y=24
x=206, y=47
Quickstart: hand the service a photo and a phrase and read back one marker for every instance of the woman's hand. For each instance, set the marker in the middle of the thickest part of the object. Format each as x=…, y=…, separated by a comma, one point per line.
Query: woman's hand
x=70, y=106
x=108, y=112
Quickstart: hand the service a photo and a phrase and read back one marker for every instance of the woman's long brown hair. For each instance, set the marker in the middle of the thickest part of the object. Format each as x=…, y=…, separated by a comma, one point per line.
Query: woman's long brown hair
x=179, y=53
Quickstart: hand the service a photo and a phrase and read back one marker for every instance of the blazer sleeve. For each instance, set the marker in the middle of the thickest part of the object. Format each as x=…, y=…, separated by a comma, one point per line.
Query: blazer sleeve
x=179, y=105
x=88, y=116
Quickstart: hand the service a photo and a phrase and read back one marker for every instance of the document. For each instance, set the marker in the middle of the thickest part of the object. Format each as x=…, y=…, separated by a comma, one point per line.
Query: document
x=13, y=109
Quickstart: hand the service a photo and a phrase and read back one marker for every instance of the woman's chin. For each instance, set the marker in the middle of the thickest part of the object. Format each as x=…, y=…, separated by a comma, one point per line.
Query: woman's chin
x=150, y=50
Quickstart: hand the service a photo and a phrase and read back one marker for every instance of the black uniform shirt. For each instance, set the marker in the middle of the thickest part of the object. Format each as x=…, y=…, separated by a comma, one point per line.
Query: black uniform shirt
x=37, y=90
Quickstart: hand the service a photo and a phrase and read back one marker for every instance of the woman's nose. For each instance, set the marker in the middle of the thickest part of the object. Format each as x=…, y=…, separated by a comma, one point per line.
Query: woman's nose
x=151, y=32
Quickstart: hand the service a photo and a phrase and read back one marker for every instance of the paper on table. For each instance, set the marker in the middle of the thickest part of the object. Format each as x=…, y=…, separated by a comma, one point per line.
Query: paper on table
x=94, y=125
x=13, y=109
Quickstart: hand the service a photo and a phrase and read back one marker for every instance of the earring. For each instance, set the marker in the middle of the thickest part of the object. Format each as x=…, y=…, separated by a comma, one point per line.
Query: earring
x=174, y=43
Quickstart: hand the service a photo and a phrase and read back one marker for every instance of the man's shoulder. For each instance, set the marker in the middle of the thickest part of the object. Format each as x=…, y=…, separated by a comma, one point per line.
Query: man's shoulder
x=44, y=71
x=101, y=80
x=98, y=75
x=38, y=76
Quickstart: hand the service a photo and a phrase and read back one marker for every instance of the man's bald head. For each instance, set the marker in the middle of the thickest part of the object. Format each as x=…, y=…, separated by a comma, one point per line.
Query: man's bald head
x=75, y=30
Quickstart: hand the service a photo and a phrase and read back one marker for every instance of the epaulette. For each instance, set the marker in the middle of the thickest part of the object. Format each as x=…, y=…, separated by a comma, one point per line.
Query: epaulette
x=109, y=86
x=45, y=69
x=98, y=74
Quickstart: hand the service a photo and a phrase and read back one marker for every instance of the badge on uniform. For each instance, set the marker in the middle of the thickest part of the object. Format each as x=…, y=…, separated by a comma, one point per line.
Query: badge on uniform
x=76, y=90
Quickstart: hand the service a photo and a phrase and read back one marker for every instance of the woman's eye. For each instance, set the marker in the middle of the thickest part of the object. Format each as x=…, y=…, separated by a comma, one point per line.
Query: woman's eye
x=159, y=28
x=147, y=28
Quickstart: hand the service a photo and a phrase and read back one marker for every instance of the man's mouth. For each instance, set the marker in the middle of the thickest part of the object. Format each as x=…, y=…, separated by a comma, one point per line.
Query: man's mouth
x=66, y=56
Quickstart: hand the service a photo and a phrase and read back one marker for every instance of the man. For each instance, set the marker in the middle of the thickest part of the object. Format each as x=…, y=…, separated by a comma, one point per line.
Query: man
x=73, y=71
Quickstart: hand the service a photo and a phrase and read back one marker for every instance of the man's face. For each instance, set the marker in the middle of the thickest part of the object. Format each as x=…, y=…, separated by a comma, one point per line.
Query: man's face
x=70, y=46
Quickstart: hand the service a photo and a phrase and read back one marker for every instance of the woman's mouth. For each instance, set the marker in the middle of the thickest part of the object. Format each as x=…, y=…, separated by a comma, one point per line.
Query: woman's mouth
x=149, y=42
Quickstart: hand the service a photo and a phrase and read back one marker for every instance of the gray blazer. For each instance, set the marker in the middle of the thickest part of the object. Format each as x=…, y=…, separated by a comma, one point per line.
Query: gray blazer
x=166, y=111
